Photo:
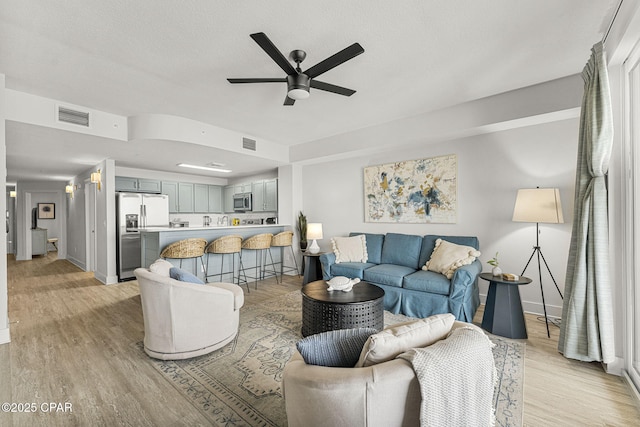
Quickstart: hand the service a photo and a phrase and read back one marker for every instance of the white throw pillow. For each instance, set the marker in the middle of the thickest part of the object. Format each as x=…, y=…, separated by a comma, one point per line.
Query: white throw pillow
x=350, y=249
x=447, y=257
x=390, y=342
x=161, y=267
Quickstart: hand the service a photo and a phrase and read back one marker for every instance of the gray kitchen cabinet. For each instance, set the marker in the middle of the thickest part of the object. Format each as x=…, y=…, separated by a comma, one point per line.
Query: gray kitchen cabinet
x=137, y=185
x=243, y=188
x=170, y=188
x=124, y=183
x=271, y=195
x=215, y=199
x=148, y=185
x=257, y=194
x=201, y=198
x=265, y=195
x=228, y=193
x=185, y=197
x=39, y=241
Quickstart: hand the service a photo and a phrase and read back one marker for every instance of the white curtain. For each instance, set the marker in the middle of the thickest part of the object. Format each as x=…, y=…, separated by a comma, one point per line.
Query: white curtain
x=586, y=332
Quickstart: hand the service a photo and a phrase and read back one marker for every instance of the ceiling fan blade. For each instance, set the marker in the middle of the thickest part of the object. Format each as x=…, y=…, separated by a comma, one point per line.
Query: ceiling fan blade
x=289, y=101
x=265, y=80
x=335, y=60
x=271, y=49
x=332, y=88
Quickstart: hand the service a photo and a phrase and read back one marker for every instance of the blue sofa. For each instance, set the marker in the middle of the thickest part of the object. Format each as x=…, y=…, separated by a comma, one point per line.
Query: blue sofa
x=394, y=263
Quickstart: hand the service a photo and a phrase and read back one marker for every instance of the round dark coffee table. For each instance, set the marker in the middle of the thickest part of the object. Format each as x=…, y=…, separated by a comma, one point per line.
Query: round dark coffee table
x=323, y=311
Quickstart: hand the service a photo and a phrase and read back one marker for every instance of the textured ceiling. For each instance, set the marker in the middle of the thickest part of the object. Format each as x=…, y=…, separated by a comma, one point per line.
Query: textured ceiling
x=170, y=57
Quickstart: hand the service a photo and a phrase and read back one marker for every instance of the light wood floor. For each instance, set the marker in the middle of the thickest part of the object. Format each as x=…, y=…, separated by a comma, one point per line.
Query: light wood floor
x=74, y=340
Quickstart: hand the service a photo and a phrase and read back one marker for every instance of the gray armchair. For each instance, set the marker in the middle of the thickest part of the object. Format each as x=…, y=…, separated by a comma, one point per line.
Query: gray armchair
x=183, y=320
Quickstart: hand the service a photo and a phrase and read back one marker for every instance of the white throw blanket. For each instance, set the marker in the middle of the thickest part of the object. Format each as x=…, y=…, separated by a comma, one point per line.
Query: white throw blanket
x=457, y=377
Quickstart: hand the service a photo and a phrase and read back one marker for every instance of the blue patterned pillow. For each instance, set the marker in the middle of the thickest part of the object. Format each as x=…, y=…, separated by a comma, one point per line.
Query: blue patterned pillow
x=184, y=276
x=340, y=348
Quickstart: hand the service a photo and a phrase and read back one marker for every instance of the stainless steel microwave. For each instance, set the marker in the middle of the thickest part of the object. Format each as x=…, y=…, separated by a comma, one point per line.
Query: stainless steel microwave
x=242, y=202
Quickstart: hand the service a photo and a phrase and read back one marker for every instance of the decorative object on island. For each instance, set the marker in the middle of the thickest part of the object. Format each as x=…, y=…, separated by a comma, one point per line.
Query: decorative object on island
x=46, y=211
x=412, y=191
x=341, y=283
x=496, y=270
x=539, y=205
x=301, y=226
x=314, y=232
x=96, y=178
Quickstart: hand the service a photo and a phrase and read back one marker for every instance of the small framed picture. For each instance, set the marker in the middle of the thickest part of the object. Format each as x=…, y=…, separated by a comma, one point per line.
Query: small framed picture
x=46, y=211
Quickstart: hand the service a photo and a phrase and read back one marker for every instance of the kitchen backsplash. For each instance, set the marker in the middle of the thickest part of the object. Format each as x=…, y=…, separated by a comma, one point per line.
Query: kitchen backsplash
x=196, y=220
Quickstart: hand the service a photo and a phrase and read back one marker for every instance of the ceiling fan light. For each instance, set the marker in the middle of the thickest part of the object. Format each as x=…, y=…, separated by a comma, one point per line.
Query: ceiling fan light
x=298, y=94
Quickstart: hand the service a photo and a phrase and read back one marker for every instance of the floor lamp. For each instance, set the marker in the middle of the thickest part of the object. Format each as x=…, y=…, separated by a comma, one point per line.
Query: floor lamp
x=539, y=205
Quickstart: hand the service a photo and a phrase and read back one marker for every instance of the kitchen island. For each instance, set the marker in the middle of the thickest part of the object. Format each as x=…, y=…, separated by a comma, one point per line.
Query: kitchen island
x=154, y=239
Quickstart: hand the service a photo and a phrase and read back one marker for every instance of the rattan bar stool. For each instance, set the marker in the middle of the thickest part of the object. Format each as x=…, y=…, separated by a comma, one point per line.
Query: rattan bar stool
x=260, y=243
x=185, y=249
x=226, y=245
x=282, y=240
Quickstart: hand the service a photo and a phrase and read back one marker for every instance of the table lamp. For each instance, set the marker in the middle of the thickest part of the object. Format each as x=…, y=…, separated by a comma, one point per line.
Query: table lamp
x=314, y=231
x=539, y=205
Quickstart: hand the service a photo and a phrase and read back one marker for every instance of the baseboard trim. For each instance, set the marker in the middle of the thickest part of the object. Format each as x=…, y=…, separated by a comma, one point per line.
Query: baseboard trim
x=614, y=368
x=77, y=263
x=107, y=280
x=534, y=308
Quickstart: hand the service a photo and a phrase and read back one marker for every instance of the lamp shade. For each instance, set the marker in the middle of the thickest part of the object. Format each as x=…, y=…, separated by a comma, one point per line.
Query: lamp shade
x=538, y=205
x=314, y=230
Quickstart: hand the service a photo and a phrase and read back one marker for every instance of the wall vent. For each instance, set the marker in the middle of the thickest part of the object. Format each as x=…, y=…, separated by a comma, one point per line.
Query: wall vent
x=68, y=115
x=249, y=144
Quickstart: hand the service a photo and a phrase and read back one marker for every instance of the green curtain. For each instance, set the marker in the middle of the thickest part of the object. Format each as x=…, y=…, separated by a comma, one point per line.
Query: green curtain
x=586, y=332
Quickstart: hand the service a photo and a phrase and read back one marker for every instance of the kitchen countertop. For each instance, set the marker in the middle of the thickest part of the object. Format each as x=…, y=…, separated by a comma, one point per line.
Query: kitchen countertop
x=213, y=227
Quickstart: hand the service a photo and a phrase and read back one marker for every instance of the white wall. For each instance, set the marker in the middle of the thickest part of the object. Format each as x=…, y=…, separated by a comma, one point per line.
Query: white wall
x=106, y=270
x=76, y=236
x=54, y=225
x=491, y=168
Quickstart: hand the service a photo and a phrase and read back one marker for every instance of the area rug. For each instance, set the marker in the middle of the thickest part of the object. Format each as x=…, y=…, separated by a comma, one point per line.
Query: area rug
x=240, y=384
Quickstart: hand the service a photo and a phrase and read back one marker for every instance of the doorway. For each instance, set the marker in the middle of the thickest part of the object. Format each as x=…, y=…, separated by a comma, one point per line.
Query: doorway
x=90, y=225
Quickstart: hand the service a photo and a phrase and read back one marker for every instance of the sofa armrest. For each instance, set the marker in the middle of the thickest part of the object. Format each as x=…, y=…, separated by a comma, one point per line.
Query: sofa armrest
x=463, y=278
x=326, y=261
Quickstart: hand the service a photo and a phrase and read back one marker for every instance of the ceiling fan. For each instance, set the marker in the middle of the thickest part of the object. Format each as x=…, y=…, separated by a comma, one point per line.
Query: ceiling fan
x=299, y=82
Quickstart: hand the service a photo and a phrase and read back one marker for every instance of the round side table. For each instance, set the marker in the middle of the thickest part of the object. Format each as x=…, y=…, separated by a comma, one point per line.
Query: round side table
x=324, y=310
x=503, y=314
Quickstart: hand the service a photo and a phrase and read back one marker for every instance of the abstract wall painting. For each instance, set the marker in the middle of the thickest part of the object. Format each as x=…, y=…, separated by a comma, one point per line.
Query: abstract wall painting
x=412, y=191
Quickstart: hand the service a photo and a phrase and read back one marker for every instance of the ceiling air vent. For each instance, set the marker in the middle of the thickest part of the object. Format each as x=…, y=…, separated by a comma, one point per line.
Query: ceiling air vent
x=249, y=144
x=68, y=115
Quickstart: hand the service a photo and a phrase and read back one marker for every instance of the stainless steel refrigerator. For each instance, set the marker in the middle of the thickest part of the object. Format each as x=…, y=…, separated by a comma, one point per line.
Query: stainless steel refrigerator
x=134, y=212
